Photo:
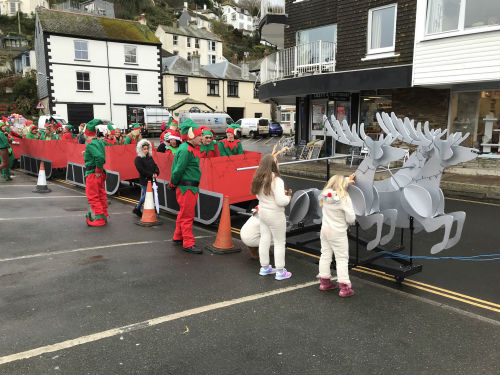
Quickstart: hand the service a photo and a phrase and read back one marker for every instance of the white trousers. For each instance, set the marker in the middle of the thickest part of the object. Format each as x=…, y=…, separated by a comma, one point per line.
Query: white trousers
x=272, y=226
x=335, y=243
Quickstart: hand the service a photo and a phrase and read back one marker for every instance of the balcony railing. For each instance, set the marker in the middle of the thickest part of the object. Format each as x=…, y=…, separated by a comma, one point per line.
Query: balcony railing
x=309, y=58
x=271, y=7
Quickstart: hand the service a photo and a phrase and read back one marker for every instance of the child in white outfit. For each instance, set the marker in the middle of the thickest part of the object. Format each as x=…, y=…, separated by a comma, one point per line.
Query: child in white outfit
x=270, y=190
x=338, y=213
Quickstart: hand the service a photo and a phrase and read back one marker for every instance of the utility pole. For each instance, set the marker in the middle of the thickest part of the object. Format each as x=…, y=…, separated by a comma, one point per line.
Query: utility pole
x=19, y=21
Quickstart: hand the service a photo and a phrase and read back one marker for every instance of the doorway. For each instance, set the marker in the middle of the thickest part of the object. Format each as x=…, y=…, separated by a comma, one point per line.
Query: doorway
x=80, y=113
x=236, y=113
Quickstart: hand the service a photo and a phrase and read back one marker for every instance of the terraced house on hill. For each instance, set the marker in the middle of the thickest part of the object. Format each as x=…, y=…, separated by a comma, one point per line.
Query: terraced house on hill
x=435, y=60
x=96, y=67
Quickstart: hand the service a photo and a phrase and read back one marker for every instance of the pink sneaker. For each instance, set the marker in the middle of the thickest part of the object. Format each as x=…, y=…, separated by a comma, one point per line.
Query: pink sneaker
x=326, y=284
x=345, y=290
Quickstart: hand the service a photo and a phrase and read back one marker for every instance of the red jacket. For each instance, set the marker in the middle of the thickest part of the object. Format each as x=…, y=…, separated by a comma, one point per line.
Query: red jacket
x=67, y=137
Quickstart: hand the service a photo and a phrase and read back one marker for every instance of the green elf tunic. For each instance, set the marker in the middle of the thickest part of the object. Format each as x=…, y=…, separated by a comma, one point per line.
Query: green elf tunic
x=94, y=156
x=172, y=150
x=29, y=135
x=5, y=145
x=227, y=148
x=186, y=167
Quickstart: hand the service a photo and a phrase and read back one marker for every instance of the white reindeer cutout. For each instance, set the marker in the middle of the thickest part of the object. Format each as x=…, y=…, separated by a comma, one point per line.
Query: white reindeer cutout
x=363, y=194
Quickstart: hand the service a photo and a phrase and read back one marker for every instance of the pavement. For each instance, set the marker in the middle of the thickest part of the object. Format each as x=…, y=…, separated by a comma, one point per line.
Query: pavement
x=124, y=299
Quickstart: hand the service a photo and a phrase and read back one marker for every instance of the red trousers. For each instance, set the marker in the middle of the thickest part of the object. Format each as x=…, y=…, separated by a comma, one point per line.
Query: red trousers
x=185, y=217
x=96, y=194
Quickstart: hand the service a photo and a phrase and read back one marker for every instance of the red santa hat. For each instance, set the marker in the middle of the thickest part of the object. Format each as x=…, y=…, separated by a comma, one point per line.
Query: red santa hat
x=172, y=134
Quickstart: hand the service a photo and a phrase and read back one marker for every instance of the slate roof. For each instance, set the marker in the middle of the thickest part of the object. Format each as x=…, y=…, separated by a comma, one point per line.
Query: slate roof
x=227, y=70
x=179, y=66
x=190, y=31
x=94, y=27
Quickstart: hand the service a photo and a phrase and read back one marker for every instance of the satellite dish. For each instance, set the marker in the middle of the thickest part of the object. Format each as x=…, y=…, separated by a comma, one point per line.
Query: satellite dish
x=299, y=206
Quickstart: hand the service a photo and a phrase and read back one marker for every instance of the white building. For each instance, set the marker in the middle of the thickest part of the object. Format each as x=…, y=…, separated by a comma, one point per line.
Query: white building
x=11, y=7
x=239, y=18
x=185, y=41
x=193, y=19
x=457, y=47
x=96, y=67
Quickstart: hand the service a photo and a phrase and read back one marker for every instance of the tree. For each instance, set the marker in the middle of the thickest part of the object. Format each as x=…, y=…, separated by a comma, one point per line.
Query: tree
x=26, y=95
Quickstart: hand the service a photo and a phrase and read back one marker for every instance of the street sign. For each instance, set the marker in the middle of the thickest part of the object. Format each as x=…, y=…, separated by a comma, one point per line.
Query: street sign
x=40, y=106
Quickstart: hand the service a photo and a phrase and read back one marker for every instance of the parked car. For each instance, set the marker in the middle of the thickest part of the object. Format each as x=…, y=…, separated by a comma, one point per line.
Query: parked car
x=253, y=127
x=44, y=118
x=275, y=128
x=150, y=119
x=218, y=122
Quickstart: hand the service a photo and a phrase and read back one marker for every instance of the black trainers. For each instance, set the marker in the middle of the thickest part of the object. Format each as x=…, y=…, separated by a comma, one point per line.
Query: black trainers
x=193, y=249
x=137, y=211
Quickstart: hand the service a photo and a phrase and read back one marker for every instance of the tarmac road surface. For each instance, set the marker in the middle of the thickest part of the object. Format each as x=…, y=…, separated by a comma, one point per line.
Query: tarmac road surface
x=125, y=300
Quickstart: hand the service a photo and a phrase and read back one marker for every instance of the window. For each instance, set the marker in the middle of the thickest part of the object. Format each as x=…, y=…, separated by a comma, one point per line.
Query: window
x=131, y=54
x=211, y=45
x=241, y=25
x=213, y=87
x=211, y=59
x=232, y=88
x=81, y=50
x=457, y=15
x=256, y=91
x=189, y=56
x=131, y=83
x=196, y=43
x=180, y=85
x=188, y=42
x=13, y=8
x=241, y=16
x=176, y=39
x=381, y=29
x=326, y=33
x=82, y=81
x=285, y=116
x=233, y=17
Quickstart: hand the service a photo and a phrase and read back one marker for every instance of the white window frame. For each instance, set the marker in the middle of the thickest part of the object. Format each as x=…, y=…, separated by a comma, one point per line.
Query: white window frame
x=188, y=42
x=80, y=50
x=83, y=90
x=125, y=54
x=374, y=51
x=460, y=30
x=175, y=40
x=136, y=82
x=212, y=59
x=196, y=42
x=212, y=45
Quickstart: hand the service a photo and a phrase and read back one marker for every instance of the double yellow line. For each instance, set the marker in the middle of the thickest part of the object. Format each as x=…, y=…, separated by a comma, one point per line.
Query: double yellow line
x=381, y=275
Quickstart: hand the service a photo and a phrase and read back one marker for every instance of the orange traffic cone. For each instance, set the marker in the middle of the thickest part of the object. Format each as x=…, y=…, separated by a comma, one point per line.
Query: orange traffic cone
x=224, y=241
x=149, y=218
x=41, y=185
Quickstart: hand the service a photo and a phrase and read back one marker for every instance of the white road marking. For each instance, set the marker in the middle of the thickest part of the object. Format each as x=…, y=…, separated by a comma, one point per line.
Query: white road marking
x=46, y=197
x=54, y=217
x=8, y=185
x=146, y=324
x=58, y=252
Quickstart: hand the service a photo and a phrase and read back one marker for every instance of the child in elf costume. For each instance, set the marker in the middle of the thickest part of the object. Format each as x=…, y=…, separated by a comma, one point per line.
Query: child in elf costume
x=49, y=133
x=230, y=145
x=134, y=136
x=32, y=132
x=110, y=139
x=95, y=176
x=172, y=125
x=4, y=153
x=172, y=142
x=185, y=178
x=10, y=154
x=67, y=136
x=208, y=147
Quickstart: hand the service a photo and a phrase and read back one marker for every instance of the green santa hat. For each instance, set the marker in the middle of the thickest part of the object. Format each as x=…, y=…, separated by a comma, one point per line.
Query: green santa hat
x=110, y=126
x=233, y=128
x=189, y=129
x=90, y=128
x=135, y=126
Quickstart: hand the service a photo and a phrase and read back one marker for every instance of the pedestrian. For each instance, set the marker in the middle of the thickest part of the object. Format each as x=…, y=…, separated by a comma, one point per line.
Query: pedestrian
x=66, y=135
x=4, y=154
x=208, y=147
x=231, y=145
x=270, y=190
x=338, y=213
x=81, y=134
x=147, y=168
x=32, y=132
x=94, y=157
x=134, y=136
x=185, y=179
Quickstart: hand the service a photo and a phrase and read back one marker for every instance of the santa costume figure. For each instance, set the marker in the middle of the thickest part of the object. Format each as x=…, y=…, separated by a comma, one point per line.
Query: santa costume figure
x=208, y=147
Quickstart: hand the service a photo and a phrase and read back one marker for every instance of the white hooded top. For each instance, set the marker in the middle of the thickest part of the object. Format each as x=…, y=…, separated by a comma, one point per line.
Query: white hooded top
x=277, y=200
x=138, y=148
x=337, y=213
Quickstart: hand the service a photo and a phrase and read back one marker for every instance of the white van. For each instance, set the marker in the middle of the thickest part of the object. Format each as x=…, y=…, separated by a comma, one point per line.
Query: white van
x=44, y=118
x=252, y=127
x=218, y=122
x=150, y=118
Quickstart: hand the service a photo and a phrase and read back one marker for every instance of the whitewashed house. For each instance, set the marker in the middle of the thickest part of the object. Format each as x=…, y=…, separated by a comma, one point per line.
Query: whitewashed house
x=457, y=47
x=186, y=41
x=239, y=18
x=96, y=67
x=11, y=7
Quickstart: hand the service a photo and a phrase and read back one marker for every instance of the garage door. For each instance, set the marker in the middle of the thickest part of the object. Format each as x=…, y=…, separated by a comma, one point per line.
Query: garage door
x=235, y=112
x=78, y=113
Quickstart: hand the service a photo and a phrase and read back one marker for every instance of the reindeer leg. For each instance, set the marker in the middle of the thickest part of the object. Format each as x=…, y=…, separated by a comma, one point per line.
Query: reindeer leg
x=459, y=217
x=432, y=224
x=367, y=222
x=390, y=216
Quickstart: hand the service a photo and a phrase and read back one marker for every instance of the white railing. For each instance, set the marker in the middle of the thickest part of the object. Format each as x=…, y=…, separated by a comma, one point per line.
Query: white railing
x=271, y=7
x=315, y=57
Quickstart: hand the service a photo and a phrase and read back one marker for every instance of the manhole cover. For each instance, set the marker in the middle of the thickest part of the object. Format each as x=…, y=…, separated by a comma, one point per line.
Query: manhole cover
x=76, y=209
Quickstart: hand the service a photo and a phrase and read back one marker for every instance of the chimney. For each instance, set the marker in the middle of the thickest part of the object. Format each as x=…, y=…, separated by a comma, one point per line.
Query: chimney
x=176, y=23
x=185, y=5
x=142, y=19
x=235, y=59
x=245, y=72
x=204, y=6
x=195, y=63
